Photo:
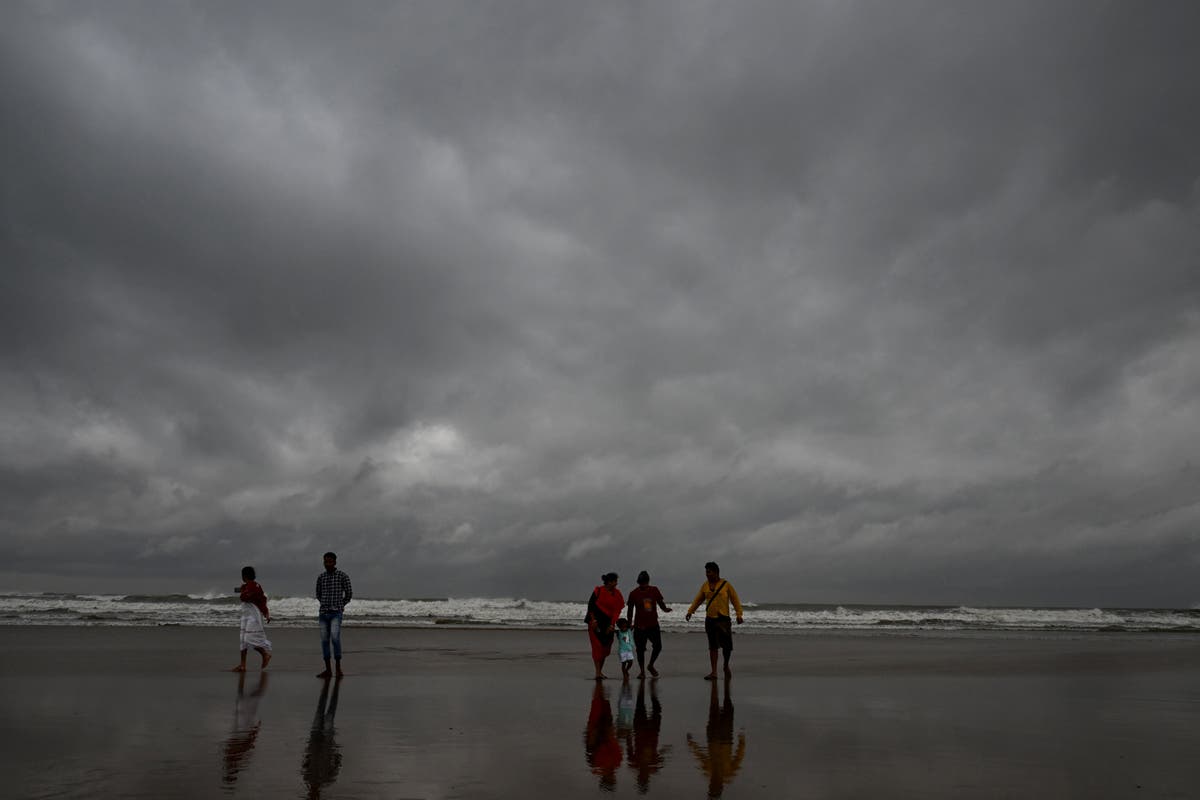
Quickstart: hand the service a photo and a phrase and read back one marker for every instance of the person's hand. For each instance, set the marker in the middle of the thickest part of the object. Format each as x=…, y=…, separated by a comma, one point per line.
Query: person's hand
x=739, y=619
x=687, y=616
x=666, y=611
x=267, y=618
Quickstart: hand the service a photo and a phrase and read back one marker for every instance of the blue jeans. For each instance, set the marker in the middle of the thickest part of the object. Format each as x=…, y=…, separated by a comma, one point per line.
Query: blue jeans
x=331, y=629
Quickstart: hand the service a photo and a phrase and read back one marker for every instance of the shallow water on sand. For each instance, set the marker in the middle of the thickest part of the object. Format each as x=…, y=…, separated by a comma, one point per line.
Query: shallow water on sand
x=290, y=735
x=479, y=721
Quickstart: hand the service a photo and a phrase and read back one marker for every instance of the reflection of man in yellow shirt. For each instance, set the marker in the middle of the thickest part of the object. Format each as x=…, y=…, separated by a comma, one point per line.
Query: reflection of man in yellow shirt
x=718, y=594
x=719, y=761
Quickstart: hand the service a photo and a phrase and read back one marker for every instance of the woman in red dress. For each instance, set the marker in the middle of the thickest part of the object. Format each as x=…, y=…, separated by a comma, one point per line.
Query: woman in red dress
x=605, y=605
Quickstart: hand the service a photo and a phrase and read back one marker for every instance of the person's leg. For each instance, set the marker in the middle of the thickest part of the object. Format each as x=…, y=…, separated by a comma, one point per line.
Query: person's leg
x=727, y=651
x=599, y=653
x=639, y=642
x=727, y=645
x=655, y=636
x=335, y=634
x=603, y=657
x=714, y=644
x=265, y=653
x=242, y=666
x=324, y=621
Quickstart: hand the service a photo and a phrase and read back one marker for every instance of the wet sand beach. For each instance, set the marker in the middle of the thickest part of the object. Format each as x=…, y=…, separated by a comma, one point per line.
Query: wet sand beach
x=445, y=713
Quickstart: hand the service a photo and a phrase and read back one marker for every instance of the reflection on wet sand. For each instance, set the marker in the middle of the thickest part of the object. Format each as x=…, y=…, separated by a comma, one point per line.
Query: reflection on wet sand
x=645, y=757
x=718, y=760
x=625, y=708
x=237, y=749
x=322, y=756
x=600, y=745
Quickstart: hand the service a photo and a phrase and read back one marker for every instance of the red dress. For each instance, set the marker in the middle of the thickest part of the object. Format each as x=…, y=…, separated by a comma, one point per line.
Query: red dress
x=604, y=608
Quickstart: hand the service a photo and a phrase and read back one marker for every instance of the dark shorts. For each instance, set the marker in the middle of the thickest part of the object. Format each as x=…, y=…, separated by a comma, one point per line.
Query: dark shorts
x=720, y=633
x=651, y=635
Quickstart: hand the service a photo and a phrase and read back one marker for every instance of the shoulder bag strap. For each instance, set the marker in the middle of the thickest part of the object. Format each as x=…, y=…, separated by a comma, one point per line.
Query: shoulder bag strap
x=716, y=592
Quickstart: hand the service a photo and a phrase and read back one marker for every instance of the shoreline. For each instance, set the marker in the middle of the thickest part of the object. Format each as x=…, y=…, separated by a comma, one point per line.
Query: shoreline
x=380, y=649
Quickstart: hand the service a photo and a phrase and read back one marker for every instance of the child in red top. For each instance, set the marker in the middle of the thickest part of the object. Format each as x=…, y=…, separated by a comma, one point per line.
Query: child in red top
x=254, y=615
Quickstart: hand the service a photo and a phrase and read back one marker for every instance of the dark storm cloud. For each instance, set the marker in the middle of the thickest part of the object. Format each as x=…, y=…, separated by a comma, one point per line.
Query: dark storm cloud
x=865, y=300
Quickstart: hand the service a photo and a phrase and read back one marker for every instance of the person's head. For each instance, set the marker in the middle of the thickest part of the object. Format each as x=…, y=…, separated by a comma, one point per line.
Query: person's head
x=712, y=570
x=330, y=561
x=622, y=623
x=643, y=578
x=609, y=579
x=248, y=573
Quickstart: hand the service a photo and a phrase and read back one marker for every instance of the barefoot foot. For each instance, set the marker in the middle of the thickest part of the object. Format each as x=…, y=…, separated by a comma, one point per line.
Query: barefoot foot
x=326, y=674
x=239, y=668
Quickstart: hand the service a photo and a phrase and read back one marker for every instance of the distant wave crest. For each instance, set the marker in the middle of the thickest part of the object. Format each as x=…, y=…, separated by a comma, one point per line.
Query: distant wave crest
x=214, y=609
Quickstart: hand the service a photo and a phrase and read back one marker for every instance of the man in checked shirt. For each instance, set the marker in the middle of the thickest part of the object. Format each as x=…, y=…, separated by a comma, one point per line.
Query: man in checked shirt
x=334, y=592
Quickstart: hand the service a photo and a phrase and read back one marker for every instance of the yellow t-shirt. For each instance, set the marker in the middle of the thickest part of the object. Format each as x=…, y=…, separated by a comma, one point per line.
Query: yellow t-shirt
x=718, y=606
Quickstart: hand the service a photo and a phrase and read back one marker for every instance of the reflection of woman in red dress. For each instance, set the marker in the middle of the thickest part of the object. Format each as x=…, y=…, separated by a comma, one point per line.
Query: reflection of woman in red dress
x=605, y=605
x=600, y=745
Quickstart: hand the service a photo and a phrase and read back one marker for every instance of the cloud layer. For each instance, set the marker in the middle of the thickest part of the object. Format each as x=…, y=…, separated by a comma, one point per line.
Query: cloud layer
x=869, y=302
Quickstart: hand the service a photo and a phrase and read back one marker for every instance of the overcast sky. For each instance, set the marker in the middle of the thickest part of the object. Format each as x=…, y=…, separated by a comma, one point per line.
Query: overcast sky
x=879, y=302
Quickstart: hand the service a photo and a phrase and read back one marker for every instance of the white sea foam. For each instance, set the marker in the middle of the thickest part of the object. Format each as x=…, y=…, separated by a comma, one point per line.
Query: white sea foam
x=210, y=608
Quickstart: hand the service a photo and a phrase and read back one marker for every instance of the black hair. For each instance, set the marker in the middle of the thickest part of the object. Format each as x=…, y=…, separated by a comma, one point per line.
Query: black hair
x=330, y=554
x=248, y=573
x=713, y=566
x=643, y=577
x=608, y=576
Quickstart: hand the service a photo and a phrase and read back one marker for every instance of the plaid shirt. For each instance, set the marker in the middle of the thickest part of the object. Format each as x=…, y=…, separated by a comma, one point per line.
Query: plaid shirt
x=333, y=590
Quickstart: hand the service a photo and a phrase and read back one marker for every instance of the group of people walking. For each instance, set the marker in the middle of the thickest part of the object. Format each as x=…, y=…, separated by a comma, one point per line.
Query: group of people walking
x=333, y=592
x=633, y=623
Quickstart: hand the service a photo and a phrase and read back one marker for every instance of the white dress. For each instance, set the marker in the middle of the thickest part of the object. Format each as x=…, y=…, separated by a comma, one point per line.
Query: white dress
x=253, y=631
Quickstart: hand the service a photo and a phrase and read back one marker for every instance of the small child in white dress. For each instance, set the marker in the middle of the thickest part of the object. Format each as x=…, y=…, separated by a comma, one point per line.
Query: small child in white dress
x=625, y=646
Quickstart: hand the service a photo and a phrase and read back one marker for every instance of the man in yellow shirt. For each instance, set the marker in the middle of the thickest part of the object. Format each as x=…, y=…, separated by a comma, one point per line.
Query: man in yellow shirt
x=717, y=594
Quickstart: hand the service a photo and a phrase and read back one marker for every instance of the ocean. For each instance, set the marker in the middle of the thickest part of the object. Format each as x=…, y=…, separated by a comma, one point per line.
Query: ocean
x=91, y=610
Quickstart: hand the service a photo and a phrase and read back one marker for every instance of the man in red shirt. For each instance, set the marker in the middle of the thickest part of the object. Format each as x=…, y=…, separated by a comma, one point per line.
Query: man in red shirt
x=642, y=611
